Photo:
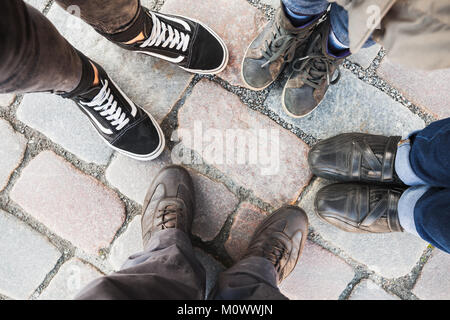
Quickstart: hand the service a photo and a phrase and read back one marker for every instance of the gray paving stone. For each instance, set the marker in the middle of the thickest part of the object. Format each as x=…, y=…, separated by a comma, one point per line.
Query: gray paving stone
x=73, y=276
x=428, y=89
x=273, y=3
x=12, y=149
x=132, y=177
x=214, y=203
x=391, y=255
x=319, y=275
x=368, y=290
x=365, y=56
x=63, y=123
x=351, y=106
x=212, y=268
x=26, y=258
x=151, y=83
x=434, y=282
x=129, y=242
x=6, y=99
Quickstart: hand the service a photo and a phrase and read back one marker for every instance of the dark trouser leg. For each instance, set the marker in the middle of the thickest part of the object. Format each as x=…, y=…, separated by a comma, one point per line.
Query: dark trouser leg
x=105, y=16
x=167, y=269
x=430, y=154
x=33, y=55
x=253, y=278
x=432, y=218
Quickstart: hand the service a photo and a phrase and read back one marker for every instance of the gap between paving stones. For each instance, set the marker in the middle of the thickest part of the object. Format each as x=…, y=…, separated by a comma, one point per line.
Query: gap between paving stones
x=400, y=287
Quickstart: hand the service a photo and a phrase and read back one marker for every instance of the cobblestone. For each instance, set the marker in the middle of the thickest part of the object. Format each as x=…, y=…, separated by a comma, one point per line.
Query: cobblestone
x=243, y=144
x=70, y=203
x=428, y=89
x=26, y=257
x=319, y=275
x=368, y=290
x=247, y=219
x=67, y=126
x=434, y=283
x=12, y=149
x=74, y=275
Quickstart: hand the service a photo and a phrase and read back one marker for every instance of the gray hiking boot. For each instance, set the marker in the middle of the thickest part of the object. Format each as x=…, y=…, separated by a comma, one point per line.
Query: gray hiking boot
x=312, y=72
x=273, y=49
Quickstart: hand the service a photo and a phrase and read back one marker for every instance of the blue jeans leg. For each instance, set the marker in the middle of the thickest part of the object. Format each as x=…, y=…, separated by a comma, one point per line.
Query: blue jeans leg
x=306, y=7
x=430, y=154
x=432, y=217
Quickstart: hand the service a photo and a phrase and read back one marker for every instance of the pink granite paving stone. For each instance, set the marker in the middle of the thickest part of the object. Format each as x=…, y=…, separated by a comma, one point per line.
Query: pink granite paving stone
x=73, y=205
x=214, y=203
x=235, y=21
x=244, y=144
x=427, y=89
x=434, y=282
x=319, y=275
x=248, y=218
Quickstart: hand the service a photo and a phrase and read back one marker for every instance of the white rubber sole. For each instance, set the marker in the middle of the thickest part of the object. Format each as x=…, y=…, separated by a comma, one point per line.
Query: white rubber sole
x=148, y=157
x=222, y=43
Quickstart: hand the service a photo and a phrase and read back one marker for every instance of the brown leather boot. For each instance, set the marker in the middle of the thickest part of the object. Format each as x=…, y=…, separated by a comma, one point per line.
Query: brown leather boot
x=273, y=49
x=312, y=72
x=169, y=203
x=360, y=208
x=280, y=238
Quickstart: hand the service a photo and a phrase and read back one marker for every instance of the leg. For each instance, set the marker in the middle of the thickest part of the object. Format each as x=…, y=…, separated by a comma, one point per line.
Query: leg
x=33, y=55
x=271, y=256
x=425, y=211
x=425, y=157
x=167, y=269
x=253, y=278
x=189, y=44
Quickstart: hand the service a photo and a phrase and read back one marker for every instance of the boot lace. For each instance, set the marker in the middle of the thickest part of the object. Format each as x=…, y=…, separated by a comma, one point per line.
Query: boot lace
x=282, y=43
x=168, y=214
x=315, y=66
x=166, y=35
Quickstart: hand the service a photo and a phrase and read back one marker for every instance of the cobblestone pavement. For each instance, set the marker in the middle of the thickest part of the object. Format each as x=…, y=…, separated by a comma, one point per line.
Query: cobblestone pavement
x=70, y=207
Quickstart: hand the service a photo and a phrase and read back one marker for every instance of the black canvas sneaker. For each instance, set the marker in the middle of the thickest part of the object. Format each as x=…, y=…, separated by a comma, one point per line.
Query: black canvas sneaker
x=188, y=43
x=124, y=126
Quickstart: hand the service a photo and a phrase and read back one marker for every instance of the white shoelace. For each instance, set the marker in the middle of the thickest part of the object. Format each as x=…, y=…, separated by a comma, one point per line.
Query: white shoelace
x=165, y=34
x=105, y=103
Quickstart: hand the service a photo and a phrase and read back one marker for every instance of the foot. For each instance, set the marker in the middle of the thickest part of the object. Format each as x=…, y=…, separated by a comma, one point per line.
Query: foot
x=312, y=72
x=280, y=238
x=188, y=43
x=273, y=49
x=123, y=126
x=360, y=208
x=169, y=203
x=356, y=157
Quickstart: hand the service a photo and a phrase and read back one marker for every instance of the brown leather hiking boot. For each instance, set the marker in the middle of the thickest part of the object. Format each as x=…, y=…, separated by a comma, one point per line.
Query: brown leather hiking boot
x=312, y=73
x=360, y=208
x=280, y=238
x=272, y=49
x=169, y=203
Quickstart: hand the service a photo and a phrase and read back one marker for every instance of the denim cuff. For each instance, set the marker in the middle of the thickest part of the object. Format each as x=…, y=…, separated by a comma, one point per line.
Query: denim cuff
x=406, y=206
x=306, y=7
x=403, y=165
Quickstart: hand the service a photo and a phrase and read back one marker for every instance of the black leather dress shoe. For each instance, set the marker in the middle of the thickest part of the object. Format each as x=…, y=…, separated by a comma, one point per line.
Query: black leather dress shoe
x=360, y=208
x=356, y=157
